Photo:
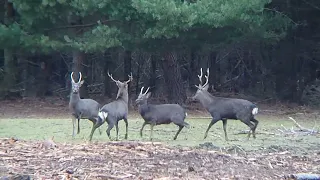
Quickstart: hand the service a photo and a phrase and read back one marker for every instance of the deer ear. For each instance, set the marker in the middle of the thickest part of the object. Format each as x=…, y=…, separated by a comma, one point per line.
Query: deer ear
x=81, y=82
x=148, y=94
x=206, y=87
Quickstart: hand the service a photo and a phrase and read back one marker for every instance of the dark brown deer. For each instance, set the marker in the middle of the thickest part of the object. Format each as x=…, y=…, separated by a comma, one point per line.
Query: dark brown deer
x=117, y=110
x=82, y=108
x=160, y=114
x=225, y=108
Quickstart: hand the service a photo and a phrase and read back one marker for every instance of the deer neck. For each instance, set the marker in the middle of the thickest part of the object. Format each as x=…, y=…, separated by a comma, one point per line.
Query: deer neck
x=74, y=99
x=124, y=96
x=143, y=107
x=206, y=100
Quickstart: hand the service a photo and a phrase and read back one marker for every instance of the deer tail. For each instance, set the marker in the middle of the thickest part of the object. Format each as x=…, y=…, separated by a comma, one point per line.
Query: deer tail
x=103, y=115
x=255, y=110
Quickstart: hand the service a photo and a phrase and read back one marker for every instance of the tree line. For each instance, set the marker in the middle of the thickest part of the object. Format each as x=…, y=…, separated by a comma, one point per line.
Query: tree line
x=264, y=48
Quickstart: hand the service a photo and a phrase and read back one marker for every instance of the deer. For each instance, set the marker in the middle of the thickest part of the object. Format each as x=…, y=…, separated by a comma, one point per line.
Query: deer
x=160, y=114
x=82, y=108
x=117, y=110
x=221, y=108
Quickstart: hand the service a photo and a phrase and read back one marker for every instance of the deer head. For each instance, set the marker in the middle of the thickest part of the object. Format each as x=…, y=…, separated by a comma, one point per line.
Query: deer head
x=143, y=97
x=76, y=85
x=202, y=88
x=122, y=86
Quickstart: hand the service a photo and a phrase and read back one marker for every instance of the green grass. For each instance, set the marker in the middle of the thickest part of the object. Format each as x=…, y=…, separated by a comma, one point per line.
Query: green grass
x=61, y=129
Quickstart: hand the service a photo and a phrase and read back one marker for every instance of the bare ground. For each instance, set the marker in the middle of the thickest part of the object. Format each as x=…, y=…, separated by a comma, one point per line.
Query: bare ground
x=137, y=160
x=52, y=107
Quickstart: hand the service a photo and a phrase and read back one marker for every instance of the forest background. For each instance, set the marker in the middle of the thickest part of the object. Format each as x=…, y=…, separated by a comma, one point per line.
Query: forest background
x=265, y=50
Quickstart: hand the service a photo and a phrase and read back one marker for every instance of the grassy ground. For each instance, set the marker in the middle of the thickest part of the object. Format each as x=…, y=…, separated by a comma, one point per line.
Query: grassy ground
x=61, y=129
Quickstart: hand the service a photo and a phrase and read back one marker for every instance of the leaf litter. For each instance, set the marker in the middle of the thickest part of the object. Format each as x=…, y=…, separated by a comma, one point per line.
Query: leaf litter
x=144, y=160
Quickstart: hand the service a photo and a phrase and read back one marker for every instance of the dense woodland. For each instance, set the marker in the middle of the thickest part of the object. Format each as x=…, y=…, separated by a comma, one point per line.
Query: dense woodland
x=267, y=49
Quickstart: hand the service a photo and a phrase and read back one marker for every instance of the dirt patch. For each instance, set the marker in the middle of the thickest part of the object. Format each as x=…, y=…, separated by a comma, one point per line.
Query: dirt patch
x=53, y=107
x=137, y=160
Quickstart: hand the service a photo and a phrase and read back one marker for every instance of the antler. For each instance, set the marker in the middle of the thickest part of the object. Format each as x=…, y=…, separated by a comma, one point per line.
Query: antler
x=110, y=75
x=80, y=76
x=207, y=77
x=72, y=77
x=141, y=93
x=200, y=77
x=130, y=78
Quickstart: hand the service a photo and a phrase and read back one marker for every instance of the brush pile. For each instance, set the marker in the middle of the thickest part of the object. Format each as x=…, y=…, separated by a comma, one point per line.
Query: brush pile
x=138, y=160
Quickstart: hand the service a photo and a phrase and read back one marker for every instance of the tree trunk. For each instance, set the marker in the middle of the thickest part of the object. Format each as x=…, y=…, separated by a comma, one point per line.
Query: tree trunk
x=24, y=75
x=176, y=92
x=106, y=67
x=213, y=71
x=193, y=69
x=127, y=68
x=10, y=71
x=43, y=79
x=78, y=57
x=152, y=79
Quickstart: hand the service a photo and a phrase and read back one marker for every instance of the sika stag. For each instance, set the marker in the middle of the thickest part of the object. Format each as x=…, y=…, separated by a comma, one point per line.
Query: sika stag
x=225, y=108
x=160, y=114
x=82, y=108
x=117, y=110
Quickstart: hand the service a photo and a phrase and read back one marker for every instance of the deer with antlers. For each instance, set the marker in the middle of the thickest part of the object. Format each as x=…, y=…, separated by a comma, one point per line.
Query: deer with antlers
x=160, y=114
x=82, y=108
x=117, y=110
x=225, y=108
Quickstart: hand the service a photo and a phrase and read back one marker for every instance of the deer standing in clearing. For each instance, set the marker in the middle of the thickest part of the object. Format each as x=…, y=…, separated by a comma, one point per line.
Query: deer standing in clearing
x=160, y=114
x=117, y=110
x=82, y=108
x=225, y=108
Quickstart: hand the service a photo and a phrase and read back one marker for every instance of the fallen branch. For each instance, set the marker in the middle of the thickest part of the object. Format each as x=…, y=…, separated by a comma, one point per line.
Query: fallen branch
x=300, y=127
x=257, y=132
x=303, y=176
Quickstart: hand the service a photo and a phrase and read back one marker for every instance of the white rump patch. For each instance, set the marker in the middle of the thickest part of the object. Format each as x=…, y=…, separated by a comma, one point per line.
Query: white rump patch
x=103, y=115
x=186, y=114
x=255, y=111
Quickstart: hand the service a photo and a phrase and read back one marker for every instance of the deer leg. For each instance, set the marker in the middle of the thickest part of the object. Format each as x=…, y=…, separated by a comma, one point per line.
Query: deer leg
x=126, y=122
x=110, y=126
x=78, y=125
x=224, y=121
x=73, y=126
x=100, y=130
x=252, y=126
x=213, y=121
x=180, y=128
x=79, y=117
x=143, y=125
x=94, y=127
x=117, y=131
x=151, y=133
x=256, y=122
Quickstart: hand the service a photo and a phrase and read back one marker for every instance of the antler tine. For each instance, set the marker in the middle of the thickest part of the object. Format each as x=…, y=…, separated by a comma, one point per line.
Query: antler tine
x=141, y=90
x=200, y=76
x=80, y=76
x=71, y=75
x=110, y=75
x=146, y=91
x=130, y=78
x=207, y=77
